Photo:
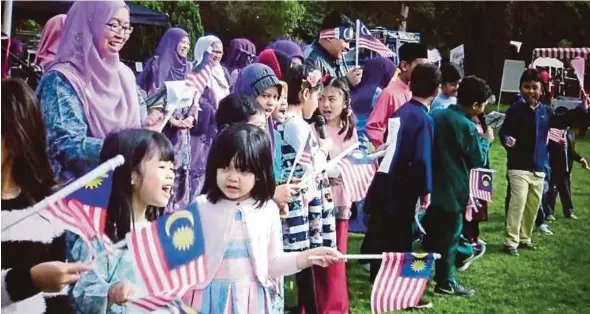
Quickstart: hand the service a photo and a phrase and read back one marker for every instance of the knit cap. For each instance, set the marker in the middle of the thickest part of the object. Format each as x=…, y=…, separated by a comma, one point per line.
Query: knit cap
x=254, y=79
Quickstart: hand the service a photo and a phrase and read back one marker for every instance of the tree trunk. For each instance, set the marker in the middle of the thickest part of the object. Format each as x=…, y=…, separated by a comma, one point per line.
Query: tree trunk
x=487, y=33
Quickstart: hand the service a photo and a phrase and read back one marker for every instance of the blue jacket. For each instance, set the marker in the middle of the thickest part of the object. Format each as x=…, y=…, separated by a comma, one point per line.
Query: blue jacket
x=530, y=128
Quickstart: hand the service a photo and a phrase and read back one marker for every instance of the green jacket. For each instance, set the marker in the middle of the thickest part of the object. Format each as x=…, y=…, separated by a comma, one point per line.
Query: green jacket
x=319, y=58
x=458, y=148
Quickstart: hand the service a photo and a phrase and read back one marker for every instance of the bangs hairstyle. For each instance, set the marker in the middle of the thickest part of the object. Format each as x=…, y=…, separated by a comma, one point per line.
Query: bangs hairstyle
x=297, y=83
x=249, y=148
x=347, y=116
x=236, y=108
x=530, y=75
x=136, y=146
x=23, y=133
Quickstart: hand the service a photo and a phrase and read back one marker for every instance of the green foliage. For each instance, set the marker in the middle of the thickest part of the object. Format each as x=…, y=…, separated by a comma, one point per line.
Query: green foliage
x=183, y=13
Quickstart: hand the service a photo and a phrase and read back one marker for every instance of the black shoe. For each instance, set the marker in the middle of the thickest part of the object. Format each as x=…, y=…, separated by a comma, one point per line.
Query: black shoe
x=512, y=251
x=526, y=246
x=453, y=288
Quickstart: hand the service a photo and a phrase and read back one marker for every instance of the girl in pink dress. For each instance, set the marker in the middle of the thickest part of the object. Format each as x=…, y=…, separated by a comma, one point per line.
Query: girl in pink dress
x=241, y=224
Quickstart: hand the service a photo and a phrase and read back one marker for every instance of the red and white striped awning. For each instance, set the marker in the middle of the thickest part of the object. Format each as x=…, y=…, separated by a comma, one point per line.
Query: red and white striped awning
x=561, y=53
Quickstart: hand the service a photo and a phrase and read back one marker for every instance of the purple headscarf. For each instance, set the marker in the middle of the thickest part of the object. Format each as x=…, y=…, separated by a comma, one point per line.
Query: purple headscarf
x=240, y=53
x=171, y=66
x=291, y=48
x=105, y=86
x=377, y=72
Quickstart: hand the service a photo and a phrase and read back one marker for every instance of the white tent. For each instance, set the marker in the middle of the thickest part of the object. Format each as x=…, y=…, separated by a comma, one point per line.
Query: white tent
x=548, y=62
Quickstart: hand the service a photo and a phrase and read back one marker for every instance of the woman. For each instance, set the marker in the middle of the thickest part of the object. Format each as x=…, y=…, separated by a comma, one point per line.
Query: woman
x=33, y=263
x=50, y=38
x=291, y=48
x=219, y=83
x=170, y=62
x=241, y=53
x=86, y=92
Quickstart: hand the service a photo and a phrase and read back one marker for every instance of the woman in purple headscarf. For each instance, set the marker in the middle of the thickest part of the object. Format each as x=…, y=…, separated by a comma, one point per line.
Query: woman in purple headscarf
x=291, y=48
x=86, y=92
x=240, y=53
x=170, y=62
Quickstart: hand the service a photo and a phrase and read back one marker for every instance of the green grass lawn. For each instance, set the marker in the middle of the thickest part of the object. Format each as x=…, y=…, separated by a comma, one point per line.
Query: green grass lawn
x=553, y=279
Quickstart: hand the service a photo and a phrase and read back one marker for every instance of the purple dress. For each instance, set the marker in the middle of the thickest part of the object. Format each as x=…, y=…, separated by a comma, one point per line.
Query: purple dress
x=192, y=148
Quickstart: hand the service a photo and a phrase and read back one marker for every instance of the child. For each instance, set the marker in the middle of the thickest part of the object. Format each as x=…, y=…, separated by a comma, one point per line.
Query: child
x=278, y=115
x=241, y=225
x=451, y=77
x=141, y=186
x=335, y=107
x=236, y=109
x=524, y=135
x=34, y=271
x=457, y=149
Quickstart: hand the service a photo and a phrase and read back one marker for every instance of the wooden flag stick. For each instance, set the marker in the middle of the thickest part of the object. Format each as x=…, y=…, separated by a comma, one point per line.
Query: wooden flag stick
x=365, y=256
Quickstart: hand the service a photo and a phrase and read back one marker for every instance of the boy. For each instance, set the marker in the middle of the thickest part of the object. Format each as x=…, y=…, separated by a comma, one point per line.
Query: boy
x=451, y=77
x=458, y=148
x=397, y=187
x=524, y=135
x=396, y=93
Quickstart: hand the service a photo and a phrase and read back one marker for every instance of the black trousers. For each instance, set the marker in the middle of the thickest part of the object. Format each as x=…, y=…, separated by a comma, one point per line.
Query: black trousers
x=560, y=184
x=306, y=291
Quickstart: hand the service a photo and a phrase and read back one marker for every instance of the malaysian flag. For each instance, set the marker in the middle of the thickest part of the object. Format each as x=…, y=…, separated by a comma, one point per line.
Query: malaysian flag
x=84, y=211
x=201, y=75
x=357, y=171
x=169, y=253
x=481, y=184
x=368, y=41
x=401, y=281
x=168, y=301
x=305, y=157
x=342, y=32
x=556, y=135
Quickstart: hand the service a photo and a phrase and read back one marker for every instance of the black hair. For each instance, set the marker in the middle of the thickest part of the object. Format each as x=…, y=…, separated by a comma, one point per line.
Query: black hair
x=425, y=80
x=473, y=90
x=412, y=51
x=296, y=83
x=249, y=148
x=335, y=19
x=236, y=108
x=451, y=73
x=24, y=136
x=136, y=146
x=347, y=116
x=530, y=75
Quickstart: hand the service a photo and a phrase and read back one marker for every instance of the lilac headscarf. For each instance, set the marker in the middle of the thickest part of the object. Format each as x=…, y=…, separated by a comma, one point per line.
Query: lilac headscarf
x=291, y=48
x=240, y=53
x=105, y=86
x=171, y=66
x=377, y=72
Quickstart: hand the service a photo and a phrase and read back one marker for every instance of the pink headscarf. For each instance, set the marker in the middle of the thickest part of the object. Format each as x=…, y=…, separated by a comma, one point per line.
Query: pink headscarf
x=50, y=37
x=105, y=86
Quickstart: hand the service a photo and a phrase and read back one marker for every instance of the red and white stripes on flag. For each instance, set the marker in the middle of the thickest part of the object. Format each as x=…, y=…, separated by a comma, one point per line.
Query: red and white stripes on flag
x=481, y=184
x=153, y=269
x=200, y=79
x=556, y=135
x=368, y=41
x=393, y=290
x=356, y=178
x=157, y=302
x=86, y=221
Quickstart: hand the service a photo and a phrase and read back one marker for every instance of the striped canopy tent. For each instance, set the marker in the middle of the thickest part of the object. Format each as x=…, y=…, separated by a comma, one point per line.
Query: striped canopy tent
x=561, y=53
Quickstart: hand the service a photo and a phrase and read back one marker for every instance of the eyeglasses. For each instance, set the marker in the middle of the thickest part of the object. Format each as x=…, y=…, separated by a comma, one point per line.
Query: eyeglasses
x=117, y=28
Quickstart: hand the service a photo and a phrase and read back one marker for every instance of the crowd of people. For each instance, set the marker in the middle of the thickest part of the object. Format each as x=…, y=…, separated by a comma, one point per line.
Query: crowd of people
x=236, y=154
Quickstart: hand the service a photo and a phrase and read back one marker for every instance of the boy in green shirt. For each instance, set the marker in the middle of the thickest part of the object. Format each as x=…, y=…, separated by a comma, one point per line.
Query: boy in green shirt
x=458, y=148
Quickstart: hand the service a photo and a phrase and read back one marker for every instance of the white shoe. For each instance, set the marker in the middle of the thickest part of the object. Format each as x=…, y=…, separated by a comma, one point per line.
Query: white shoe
x=544, y=229
x=481, y=242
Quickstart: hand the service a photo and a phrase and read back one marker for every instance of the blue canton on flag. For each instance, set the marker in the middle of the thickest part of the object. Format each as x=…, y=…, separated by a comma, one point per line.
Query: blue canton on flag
x=417, y=265
x=481, y=184
x=96, y=193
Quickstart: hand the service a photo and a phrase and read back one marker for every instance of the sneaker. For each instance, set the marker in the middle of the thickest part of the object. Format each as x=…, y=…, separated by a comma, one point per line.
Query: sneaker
x=481, y=242
x=453, y=288
x=544, y=229
x=526, y=246
x=550, y=218
x=478, y=252
x=512, y=251
x=572, y=216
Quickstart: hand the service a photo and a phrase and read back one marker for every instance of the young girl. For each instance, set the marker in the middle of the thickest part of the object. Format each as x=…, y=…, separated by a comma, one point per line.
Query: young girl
x=241, y=225
x=335, y=107
x=310, y=221
x=141, y=186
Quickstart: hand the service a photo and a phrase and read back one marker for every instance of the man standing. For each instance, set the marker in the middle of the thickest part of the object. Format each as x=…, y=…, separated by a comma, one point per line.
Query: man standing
x=396, y=93
x=325, y=54
x=458, y=148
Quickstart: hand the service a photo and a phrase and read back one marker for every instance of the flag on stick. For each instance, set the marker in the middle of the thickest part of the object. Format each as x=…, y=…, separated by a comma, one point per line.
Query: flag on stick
x=368, y=41
x=481, y=184
x=556, y=135
x=357, y=171
x=401, y=281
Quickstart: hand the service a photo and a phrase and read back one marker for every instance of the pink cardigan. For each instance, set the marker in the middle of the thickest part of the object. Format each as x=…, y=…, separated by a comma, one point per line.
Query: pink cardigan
x=263, y=229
